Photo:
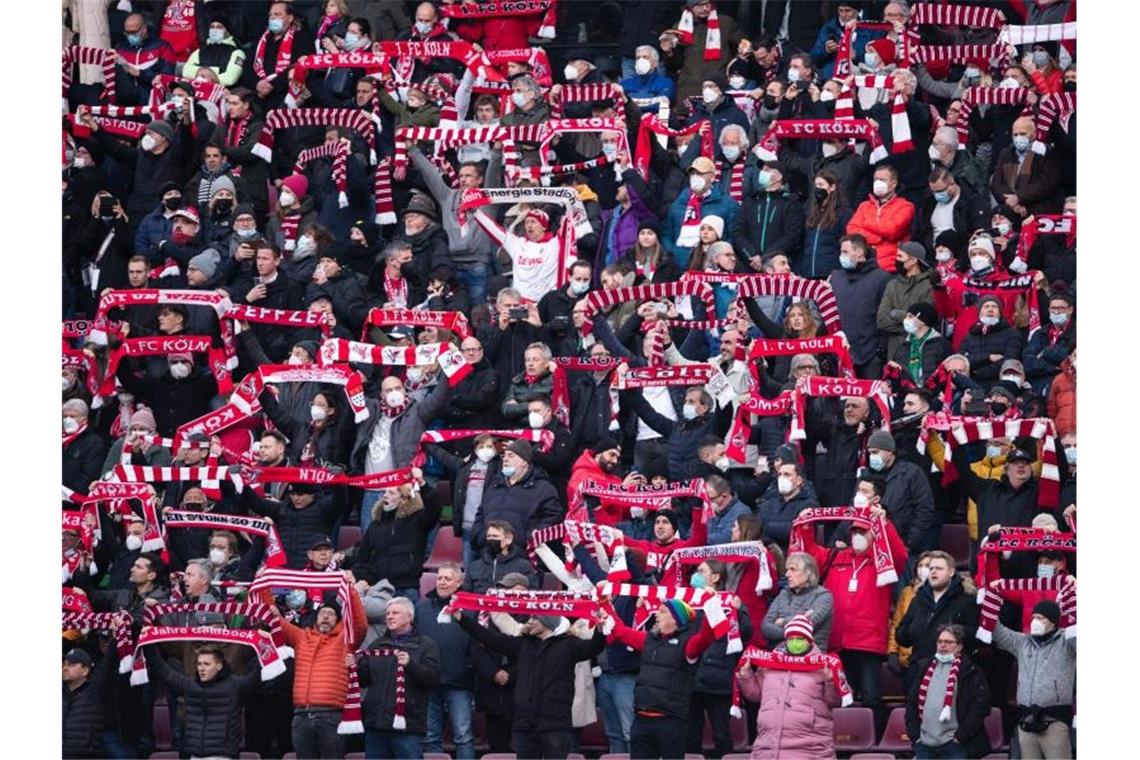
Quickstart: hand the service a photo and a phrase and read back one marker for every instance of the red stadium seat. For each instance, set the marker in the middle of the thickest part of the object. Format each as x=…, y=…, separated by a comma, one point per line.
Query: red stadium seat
x=164, y=755
x=436, y=756
x=610, y=756
x=892, y=685
x=994, y=729
x=447, y=548
x=895, y=738
x=853, y=728
x=427, y=583
x=161, y=728
x=348, y=537
x=503, y=756
x=593, y=737
x=955, y=540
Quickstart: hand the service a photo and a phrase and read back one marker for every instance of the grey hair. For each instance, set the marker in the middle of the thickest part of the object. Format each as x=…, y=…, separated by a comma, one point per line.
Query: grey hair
x=744, y=144
x=719, y=247
x=946, y=136
x=528, y=83
x=393, y=249
x=205, y=566
x=651, y=52
x=76, y=405
x=547, y=354
x=506, y=293
x=802, y=360
x=963, y=357
x=453, y=566
x=809, y=563
x=403, y=601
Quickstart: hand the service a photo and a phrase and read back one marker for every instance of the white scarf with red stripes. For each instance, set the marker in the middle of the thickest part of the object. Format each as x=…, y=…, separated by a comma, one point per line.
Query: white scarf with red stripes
x=712, y=35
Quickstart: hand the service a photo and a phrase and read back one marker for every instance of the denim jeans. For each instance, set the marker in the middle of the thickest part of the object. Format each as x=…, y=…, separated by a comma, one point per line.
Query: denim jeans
x=949, y=751
x=615, y=700
x=397, y=745
x=315, y=736
x=474, y=278
x=366, y=503
x=114, y=747
x=458, y=704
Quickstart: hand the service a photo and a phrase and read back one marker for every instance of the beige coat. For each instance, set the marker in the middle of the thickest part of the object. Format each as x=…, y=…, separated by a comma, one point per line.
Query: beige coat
x=90, y=28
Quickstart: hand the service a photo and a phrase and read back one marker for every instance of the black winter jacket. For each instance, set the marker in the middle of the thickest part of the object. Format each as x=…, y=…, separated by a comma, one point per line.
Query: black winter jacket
x=453, y=642
x=421, y=675
x=83, y=711
x=486, y=571
x=544, y=686
x=971, y=706
x=213, y=720
x=83, y=460
x=299, y=529
x=909, y=503
x=717, y=668
x=474, y=402
x=527, y=505
x=683, y=436
x=173, y=401
x=971, y=212
x=769, y=222
x=919, y=627
x=394, y=547
x=150, y=171
x=1002, y=339
x=858, y=293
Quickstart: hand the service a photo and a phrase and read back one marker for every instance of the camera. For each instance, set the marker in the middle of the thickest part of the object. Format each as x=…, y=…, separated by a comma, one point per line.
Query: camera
x=517, y=313
x=107, y=206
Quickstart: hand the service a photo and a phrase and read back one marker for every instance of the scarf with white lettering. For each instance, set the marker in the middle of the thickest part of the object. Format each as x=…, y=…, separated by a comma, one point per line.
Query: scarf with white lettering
x=1042, y=224
x=755, y=405
x=256, y=526
x=164, y=346
x=964, y=430
x=501, y=9
x=876, y=391
x=259, y=641
x=741, y=551
x=454, y=321
x=808, y=663
x=885, y=572
x=843, y=125
x=219, y=302
x=451, y=361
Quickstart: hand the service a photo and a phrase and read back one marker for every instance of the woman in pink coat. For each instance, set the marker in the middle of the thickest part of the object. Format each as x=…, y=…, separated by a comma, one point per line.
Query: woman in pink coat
x=795, y=707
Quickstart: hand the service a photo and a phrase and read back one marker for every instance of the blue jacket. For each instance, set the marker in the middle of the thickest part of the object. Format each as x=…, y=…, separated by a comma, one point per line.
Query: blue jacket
x=720, y=526
x=153, y=229
x=833, y=30
x=619, y=659
x=454, y=643
x=820, y=252
x=721, y=116
x=716, y=203
x=154, y=56
x=652, y=85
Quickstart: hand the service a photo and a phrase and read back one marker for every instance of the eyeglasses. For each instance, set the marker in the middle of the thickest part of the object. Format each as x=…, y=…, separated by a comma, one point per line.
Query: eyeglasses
x=471, y=350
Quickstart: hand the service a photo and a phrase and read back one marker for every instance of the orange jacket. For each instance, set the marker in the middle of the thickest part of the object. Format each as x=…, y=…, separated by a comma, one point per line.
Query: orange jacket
x=1062, y=402
x=884, y=226
x=321, y=677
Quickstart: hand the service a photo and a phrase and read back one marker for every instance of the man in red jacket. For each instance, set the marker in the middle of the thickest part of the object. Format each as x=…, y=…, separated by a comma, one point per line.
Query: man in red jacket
x=884, y=219
x=599, y=466
x=861, y=616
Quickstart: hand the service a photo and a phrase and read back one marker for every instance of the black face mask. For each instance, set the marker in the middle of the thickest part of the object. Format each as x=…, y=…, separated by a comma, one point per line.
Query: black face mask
x=999, y=407
x=172, y=204
x=821, y=194
x=900, y=267
x=1069, y=86
x=495, y=545
x=770, y=101
x=223, y=207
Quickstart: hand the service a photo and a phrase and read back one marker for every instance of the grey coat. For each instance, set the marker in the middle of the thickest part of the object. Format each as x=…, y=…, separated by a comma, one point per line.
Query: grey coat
x=469, y=244
x=788, y=604
x=407, y=428
x=1046, y=671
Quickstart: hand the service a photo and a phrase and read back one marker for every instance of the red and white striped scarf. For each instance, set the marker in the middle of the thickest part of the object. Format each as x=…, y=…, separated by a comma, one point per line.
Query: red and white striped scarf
x=76, y=522
x=780, y=406
x=541, y=437
x=885, y=572
x=90, y=56
x=115, y=495
x=219, y=302
x=279, y=317
x=1022, y=540
x=971, y=429
x=758, y=658
x=119, y=622
x=786, y=285
x=284, y=54
x=287, y=118
x=371, y=63
x=559, y=127
x=991, y=598
x=576, y=533
x=951, y=685
x=315, y=583
x=256, y=526
x=116, y=120
x=843, y=52
x=499, y=9
x=735, y=179
x=73, y=357
x=598, y=300
x=245, y=403
x=1042, y=224
x=900, y=122
x=453, y=321
x=235, y=133
x=1035, y=33
x=259, y=641
x=338, y=152
x=164, y=346
x=1048, y=109
x=650, y=125
x=537, y=603
x=936, y=14
x=712, y=35
x=351, y=720
x=586, y=93
x=475, y=60
x=875, y=391
x=209, y=95
x=997, y=96
x=741, y=551
x=451, y=361
x=825, y=344
x=821, y=129
x=710, y=602
x=638, y=496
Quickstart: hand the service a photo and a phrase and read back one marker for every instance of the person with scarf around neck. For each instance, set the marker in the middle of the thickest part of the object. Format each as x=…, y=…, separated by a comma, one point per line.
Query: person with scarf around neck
x=238, y=135
x=990, y=341
x=521, y=494
x=535, y=253
x=794, y=719
x=427, y=27
x=708, y=198
x=946, y=706
x=920, y=355
x=284, y=41
x=1051, y=344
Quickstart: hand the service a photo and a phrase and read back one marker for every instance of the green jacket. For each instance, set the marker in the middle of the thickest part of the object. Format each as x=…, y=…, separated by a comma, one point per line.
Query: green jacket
x=902, y=292
x=426, y=115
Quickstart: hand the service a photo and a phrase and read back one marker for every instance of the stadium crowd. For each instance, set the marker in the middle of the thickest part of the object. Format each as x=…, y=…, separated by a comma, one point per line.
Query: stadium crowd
x=548, y=377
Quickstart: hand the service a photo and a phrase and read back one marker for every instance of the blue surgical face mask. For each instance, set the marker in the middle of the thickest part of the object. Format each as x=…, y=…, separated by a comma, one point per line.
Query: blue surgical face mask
x=1040, y=58
x=134, y=39
x=876, y=462
x=1046, y=571
x=518, y=99
x=764, y=178
x=276, y=25
x=578, y=288
x=423, y=27
x=508, y=471
x=296, y=599
x=1021, y=143
x=944, y=657
x=993, y=452
x=942, y=196
x=216, y=35
x=846, y=262
x=351, y=40
x=698, y=581
x=1060, y=320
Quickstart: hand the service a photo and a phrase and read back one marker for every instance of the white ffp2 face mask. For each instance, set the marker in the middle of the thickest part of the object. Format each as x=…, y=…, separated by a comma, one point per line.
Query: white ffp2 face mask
x=643, y=66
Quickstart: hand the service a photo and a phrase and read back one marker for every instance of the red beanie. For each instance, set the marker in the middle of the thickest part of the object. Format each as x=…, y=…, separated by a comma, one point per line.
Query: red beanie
x=883, y=48
x=297, y=184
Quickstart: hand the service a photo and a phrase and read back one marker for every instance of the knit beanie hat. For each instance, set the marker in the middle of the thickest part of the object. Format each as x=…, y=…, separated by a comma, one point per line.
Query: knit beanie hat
x=421, y=204
x=1050, y=609
x=987, y=299
x=549, y=622
x=925, y=313
x=162, y=129
x=309, y=347
x=882, y=440
x=883, y=48
x=539, y=216
x=522, y=448
x=144, y=419
x=206, y=262
x=716, y=222
x=296, y=184
x=330, y=600
x=604, y=444
x=800, y=626
x=680, y=611
x=669, y=515
x=222, y=183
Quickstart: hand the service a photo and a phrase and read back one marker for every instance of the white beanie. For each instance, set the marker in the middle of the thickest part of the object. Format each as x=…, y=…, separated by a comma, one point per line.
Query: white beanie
x=983, y=243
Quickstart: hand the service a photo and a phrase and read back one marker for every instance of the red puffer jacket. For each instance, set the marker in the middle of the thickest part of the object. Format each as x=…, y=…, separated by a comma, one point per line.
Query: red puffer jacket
x=862, y=613
x=884, y=226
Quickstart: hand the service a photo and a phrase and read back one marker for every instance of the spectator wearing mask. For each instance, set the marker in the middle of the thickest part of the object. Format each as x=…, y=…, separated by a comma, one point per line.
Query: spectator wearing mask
x=771, y=218
x=1024, y=181
x=779, y=507
x=520, y=494
x=990, y=341
x=498, y=560
x=947, y=705
x=1046, y=679
x=242, y=131
x=948, y=206
x=395, y=544
x=859, y=285
x=677, y=236
x=907, y=497
x=454, y=694
x=86, y=687
x=827, y=40
x=726, y=509
x=912, y=284
x=883, y=220
x=699, y=418
x=1050, y=345
x=688, y=55
x=920, y=355
x=803, y=596
x=284, y=41
x=646, y=86
x=221, y=54
x=143, y=57
x=717, y=108
x=898, y=656
x=824, y=223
